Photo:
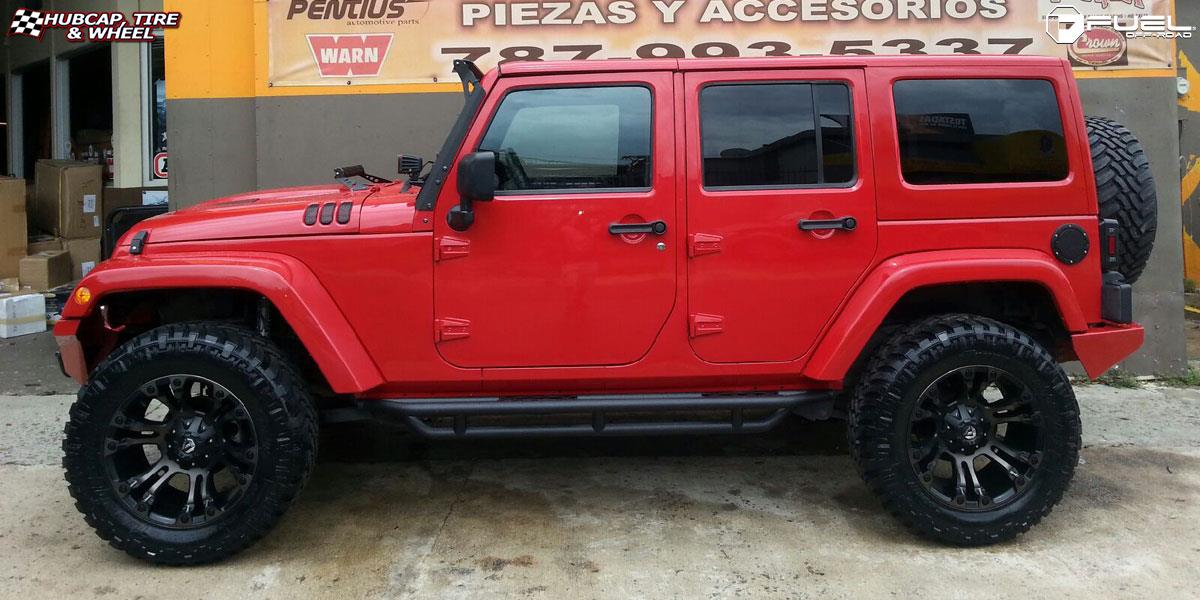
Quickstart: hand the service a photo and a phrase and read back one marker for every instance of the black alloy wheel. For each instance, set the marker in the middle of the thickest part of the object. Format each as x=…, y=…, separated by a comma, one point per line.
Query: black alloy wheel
x=181, y=451
x=975, y=438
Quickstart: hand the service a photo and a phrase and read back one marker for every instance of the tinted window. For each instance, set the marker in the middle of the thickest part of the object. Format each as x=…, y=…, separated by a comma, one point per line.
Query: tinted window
x=768, y=134
x=979, y=131
x=572, y=138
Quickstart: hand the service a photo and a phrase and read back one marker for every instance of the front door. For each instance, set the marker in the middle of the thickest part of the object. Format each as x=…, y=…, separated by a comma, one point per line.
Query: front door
x=547, y=276
x=781, y=208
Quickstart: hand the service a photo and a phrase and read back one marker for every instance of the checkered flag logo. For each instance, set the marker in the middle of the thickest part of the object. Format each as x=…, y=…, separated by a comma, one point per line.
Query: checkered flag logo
x=26, y=22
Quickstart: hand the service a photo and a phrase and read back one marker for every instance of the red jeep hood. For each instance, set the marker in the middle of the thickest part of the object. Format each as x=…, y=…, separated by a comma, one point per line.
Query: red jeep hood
x=266, y=213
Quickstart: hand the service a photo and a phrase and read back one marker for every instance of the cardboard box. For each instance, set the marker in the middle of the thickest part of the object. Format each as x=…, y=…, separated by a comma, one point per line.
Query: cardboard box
x=12, y=225
x=67, y=202
x=85, y=255
x=46, y=270
x=43, y=244
x=22, y=315
x=116, y=198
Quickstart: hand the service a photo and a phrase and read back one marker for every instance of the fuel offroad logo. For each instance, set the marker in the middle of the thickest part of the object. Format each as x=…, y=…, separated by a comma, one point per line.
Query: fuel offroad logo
x=92, y=26
x=1098, y=32
x=1067, y=25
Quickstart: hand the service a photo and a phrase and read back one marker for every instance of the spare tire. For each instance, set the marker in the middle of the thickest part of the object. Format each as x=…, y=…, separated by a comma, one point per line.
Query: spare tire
x=1125, y=190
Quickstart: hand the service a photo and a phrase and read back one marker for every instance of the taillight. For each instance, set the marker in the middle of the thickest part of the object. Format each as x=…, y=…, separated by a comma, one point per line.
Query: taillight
x=1109, y=230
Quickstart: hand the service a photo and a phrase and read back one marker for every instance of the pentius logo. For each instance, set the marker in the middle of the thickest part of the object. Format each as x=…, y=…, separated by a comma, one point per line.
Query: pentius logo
x=337, y=10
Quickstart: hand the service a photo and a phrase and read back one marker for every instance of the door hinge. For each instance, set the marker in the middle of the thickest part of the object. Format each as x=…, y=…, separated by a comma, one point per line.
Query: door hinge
x=700, y=244
x=451, y=247
x=701, y=324
x=449, y=328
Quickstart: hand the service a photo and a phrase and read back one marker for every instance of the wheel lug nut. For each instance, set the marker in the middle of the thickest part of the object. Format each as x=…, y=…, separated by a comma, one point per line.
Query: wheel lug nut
x=123, y=488
x=142, y=507
x=112, y=445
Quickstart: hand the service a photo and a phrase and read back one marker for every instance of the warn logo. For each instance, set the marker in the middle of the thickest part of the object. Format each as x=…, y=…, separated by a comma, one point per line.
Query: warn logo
x=352, y=55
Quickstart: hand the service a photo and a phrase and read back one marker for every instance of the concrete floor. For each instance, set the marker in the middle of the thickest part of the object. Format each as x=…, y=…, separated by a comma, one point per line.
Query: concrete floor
x=782, y=515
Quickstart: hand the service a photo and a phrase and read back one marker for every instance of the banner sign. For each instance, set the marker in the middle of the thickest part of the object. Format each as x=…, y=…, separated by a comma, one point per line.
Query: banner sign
x=354, y=42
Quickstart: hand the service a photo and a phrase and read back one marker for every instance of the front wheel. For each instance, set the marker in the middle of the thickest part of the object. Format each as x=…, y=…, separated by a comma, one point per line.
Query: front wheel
x=966, y=429
x=189, y=442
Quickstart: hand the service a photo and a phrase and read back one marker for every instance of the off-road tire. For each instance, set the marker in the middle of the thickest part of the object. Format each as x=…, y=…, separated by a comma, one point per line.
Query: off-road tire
x=1126, y=192
x=884, y=402
x=275, y=397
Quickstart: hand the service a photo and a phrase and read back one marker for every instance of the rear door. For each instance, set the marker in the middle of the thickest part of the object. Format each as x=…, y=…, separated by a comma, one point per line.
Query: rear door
x=543, y=278
x=781, y=208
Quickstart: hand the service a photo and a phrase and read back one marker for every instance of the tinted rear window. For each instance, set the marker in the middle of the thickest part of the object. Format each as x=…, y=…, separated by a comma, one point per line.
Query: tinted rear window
x=979, y=131
x=767, y=134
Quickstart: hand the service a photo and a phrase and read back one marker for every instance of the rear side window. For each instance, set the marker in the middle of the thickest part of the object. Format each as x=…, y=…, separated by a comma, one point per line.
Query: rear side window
x=979, y=131
x=572, y=139
x=776, y=135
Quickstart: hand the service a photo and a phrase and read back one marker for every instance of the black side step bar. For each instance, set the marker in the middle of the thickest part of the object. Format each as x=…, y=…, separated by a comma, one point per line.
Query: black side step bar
x=416, y=414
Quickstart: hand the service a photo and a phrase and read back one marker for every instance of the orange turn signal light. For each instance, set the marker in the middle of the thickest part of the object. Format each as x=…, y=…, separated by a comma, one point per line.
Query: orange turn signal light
x=83, y=295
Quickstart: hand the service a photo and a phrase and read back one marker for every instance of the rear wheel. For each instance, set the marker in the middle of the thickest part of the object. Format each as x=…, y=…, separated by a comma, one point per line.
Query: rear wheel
x=189, y=442
x=966, y=429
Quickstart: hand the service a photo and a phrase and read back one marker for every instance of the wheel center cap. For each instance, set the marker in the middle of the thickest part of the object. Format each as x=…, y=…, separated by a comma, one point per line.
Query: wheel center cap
x=964, y=428
x=969, y=434
x=192, y=442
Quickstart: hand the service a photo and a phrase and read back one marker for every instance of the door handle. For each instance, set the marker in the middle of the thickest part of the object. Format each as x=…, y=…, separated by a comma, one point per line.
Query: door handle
x=844, y=223
x=655, y=227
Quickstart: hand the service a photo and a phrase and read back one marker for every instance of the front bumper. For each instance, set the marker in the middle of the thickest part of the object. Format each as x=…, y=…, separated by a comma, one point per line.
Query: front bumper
x=1102, y=346
x=70, y=351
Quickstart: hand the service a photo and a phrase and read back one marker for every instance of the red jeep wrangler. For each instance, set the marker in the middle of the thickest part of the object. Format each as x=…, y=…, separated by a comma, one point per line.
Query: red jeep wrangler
x=641, y=247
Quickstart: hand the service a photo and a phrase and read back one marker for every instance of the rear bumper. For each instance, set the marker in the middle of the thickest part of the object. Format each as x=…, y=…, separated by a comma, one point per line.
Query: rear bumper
x=70, y=351
x=1102, y=346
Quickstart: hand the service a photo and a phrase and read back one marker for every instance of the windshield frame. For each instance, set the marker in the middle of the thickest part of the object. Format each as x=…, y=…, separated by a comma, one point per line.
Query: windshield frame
x=473, y=88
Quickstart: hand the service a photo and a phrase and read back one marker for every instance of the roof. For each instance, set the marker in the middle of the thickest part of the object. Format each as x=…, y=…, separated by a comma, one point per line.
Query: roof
x=780, y=62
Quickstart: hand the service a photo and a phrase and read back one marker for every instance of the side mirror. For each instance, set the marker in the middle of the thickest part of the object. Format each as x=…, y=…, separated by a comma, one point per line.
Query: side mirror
x=476, y=183
x=477, y=176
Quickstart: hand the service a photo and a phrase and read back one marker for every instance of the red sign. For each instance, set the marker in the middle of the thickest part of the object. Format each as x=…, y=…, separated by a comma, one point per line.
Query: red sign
x=350, y=55
x=1099, y=47
x=160, y=165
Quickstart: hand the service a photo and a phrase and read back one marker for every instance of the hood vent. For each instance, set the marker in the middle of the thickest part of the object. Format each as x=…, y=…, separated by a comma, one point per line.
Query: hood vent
x=325, y=213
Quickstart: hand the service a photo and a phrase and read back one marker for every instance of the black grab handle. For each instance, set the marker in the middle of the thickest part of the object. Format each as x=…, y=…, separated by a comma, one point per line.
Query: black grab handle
x=655, y=227
x=844, y=223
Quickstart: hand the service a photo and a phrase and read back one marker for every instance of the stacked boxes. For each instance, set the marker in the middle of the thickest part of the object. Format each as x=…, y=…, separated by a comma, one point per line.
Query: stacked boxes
x=66, y=204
